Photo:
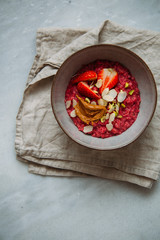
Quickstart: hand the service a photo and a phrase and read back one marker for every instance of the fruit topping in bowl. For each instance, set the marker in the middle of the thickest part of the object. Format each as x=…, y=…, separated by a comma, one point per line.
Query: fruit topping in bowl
x=103, y=99
x=86, y=76
x=85, y=90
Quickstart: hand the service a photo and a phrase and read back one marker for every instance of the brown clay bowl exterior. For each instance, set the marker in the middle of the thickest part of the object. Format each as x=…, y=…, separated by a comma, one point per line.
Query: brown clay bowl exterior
x=138, y=69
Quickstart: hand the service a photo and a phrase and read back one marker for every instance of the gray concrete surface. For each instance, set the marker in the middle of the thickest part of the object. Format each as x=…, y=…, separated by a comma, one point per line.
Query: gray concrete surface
x=35, y=207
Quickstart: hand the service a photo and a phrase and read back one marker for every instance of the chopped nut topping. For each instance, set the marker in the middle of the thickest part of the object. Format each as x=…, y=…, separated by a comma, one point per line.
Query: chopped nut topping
x=126, y=85
x=131, y=92
x=87, y=100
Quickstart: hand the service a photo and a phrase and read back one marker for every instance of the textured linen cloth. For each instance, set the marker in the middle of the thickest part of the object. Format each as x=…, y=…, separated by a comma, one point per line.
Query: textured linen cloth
x=42, y=144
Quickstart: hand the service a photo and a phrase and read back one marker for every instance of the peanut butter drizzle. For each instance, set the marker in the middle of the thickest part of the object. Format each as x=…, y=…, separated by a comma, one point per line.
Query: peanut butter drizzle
x=88, y=112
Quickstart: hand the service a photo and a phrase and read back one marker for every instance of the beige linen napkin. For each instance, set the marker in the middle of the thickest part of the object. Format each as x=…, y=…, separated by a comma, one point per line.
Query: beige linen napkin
x=40, y=141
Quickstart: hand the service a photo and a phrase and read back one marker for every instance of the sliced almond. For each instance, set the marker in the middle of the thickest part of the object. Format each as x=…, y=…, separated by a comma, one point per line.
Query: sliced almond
x=88, y=129
x=99, y=83
x=109, y=126
x=107, y=116
x=68, y=104
x=93, y=103
x=112, y=117
x=105, y=92
x=73, y=114
x=121, y=96
x=92, y=84
x=74, y=102
x=113, y=93
x=102, y=102
x=105, y=102
x=108, y=98
x=117, y=108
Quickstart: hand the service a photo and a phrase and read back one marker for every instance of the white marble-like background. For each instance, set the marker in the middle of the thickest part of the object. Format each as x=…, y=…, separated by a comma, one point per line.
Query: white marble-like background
x=35, y=207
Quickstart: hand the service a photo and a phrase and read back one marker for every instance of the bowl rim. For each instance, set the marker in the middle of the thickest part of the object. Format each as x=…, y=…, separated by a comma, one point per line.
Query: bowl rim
x=97, y=46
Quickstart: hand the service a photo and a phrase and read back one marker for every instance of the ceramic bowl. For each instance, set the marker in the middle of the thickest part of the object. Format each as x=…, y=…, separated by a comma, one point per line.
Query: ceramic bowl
x=138, y=69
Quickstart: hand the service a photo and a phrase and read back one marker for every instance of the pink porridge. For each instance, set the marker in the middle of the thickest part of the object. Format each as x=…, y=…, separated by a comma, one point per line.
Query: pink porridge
x=103, y=99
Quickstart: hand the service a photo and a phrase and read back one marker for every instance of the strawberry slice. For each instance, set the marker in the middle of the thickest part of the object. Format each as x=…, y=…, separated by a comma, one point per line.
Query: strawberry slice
x=86, y=76
x=86, y=91
x=109, y=77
